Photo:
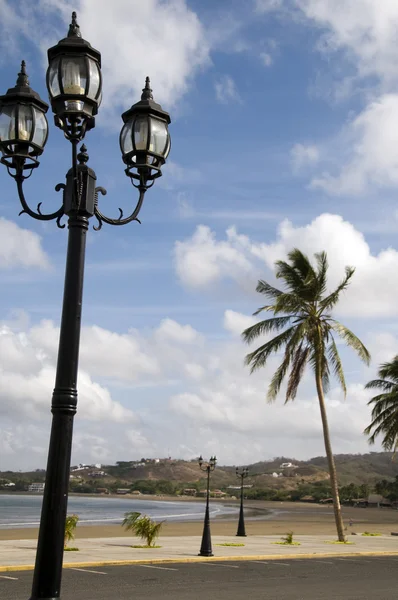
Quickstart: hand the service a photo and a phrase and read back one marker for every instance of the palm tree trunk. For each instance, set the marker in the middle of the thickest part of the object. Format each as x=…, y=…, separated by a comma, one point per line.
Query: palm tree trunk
x=330, y=457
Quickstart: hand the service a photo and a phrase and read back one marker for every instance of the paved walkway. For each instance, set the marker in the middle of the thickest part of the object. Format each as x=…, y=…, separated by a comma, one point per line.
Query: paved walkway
x=19, y=554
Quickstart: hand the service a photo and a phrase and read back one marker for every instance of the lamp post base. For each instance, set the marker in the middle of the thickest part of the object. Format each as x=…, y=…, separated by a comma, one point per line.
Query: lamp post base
x=205, y=554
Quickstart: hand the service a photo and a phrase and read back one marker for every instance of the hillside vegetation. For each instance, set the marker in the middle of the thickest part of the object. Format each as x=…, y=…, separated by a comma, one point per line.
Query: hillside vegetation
x=170, y=476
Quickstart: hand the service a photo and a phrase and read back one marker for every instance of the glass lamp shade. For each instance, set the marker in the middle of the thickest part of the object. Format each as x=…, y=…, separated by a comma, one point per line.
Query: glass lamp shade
x=74, y=85
x=145, y=141
x=74, y=80
x=23, y=123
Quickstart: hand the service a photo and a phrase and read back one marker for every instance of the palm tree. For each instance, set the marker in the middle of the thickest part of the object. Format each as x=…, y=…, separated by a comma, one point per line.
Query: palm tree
x=385, y=406
x=302, y=314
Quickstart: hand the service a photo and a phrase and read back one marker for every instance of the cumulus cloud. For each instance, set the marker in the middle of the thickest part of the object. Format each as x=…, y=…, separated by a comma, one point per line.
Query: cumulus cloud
x=214, y=404
x=372, y=142
x=20, y=248
x=27, y=374
x=203, y=260
x=236, y=322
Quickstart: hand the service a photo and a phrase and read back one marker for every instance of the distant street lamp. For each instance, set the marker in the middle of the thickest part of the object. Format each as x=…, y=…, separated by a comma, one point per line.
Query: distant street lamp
x=205, y=548
x=74, y=83
x=241, y=525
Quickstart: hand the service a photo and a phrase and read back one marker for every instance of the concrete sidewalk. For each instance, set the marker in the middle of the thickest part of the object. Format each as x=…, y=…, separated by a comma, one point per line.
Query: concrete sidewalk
x=20, y=554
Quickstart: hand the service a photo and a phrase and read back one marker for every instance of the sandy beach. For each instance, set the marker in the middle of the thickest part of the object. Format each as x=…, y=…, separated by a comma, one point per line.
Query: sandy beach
x=262, y=518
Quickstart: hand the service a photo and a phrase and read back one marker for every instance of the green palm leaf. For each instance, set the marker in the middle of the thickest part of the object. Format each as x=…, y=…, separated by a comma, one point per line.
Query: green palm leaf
x=263, y=327
x=385, y=407
x=330, y=301
x=336, y=364
x=351, y=340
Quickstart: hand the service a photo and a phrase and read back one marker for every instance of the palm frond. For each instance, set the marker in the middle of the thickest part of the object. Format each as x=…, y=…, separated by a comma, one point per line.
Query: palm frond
x=291, y=348
x=302, y=265
x=268, y=290
x=277, y=379
x=299, y=363
x=381, y=384
x=266, y=308
x=352, y=340
x=322, y=270
x=384, y=423
x=331, y=300
x=263, y=327
x=259, y=357
x=389, y=370
x=335, y=361
x=289, y=303
x=292, y=279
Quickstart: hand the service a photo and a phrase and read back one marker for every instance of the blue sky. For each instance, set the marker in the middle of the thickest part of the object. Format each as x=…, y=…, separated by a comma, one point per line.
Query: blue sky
x=284, y=133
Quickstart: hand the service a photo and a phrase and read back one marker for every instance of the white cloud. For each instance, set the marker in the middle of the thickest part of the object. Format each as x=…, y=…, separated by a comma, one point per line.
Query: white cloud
x=20, y=247
x=372, y=142
x=170, y=330
x=365, y=29
x=27, y=374
x=235, y=322
x=203, y=260
x=216, y=406
x=226, y=90
x=164, y=40
x=302, y=155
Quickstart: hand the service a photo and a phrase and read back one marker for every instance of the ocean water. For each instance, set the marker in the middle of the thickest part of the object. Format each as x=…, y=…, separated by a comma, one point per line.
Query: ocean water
x=24, y=510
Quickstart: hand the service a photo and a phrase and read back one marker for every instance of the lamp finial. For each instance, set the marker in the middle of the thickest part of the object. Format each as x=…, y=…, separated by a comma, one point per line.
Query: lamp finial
x=147, y=91
x=23, y=76
x=74, y=29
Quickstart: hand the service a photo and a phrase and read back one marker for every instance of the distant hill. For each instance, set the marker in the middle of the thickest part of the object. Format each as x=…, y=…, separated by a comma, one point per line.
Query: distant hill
x=179, y=474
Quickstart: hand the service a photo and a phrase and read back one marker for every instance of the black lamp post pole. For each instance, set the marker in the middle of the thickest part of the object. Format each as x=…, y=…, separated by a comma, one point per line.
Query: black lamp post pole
x=241, y=525
x=50, y=549
x=205, y=548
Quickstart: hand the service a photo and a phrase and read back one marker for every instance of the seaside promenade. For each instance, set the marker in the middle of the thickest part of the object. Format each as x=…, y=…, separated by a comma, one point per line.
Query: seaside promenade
x=20, y=554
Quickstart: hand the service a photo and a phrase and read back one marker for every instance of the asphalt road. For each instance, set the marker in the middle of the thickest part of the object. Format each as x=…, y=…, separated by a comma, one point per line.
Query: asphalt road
x=370, y=578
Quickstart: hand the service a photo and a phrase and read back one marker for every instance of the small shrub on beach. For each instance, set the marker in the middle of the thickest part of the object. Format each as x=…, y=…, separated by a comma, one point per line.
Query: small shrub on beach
x=288, y=540
x=370, y=534
x=142, y=526
x=70, y=526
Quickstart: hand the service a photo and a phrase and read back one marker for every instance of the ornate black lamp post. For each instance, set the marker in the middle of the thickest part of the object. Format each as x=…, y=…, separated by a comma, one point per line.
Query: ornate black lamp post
x=205, y=548
x=74, y=83
x=241, y=525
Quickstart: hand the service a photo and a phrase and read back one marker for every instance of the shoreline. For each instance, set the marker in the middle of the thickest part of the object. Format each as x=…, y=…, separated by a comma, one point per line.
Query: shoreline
x=262, y=518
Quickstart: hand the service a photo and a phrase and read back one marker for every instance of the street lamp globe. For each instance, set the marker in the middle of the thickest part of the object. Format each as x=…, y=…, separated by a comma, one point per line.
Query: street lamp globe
x=23, y=124
x=145, y=139
x=74, y=80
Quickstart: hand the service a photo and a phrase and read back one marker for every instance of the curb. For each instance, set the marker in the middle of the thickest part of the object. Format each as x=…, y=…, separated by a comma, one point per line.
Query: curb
x=197, y=559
